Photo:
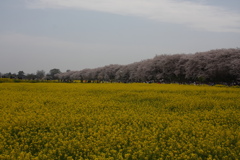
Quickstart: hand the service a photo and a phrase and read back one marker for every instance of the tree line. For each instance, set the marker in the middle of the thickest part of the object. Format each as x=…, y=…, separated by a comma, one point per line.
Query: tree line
x=214, y=66
x=39, y=75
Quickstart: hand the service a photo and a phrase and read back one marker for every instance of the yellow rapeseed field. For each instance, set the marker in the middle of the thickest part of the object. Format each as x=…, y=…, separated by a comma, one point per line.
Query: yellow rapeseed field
x=75, y=121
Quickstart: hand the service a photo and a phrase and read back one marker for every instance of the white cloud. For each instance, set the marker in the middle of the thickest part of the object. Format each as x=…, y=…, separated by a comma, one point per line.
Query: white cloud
x=198, y=15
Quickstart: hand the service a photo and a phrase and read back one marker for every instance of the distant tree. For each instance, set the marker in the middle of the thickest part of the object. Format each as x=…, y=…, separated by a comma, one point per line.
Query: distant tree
x=31, y=76
x=147, y=72
x=67, y=76
x=133, y=75
x=158, y=65
x=14, y=76
x=84, y=74
x=0, y=75
x=106, y=73
x=21, y=75
x=235, y=70
x=123, y=74
x=7, y=75
x=40, y=74
x=180, y=70
x=52, y=73
x=74, y=75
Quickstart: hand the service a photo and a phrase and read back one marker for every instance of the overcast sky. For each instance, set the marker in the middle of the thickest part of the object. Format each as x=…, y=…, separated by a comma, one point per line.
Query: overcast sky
x=77, y=34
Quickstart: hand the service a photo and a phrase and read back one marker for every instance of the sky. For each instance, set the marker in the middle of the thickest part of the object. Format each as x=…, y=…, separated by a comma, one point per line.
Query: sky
x=78, y=34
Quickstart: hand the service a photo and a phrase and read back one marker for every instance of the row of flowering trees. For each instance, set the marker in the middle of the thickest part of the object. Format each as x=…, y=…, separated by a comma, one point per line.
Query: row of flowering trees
x=222, y=65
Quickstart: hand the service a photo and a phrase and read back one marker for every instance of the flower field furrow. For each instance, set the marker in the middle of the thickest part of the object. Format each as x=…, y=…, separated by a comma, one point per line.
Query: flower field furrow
x=118, y=121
